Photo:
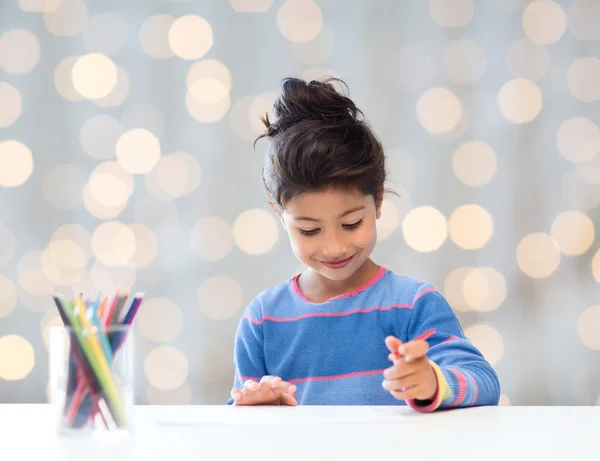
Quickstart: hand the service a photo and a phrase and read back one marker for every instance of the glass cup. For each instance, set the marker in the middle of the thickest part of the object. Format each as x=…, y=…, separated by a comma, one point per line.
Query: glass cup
x=91, y=378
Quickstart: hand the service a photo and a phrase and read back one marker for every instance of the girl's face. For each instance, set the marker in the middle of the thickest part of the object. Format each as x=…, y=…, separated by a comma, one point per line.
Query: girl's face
x=332, y=231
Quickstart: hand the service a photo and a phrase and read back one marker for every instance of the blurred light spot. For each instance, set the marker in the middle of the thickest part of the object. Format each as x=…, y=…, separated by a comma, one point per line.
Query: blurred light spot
x=17, y=358
x=299, y=20
x=99, y=136
x=220, y=297
x=113, y=243
x=69, y=18
x=109, y=279
x=504, y=401
x=488, y=341
x=577, y=139
x=591, y=173
x=388, y=222
x=8, y=247
x=579, y=193
x=250, y=6
x=209, y=69
x=451, y=13
x=180, y=396
x=454, y=289
x=154, y=36
x=8, y=296
x=160, y=320
x=30, y=276
x=318, y=73
x=596, y=266
x=240, y=119
x=544, y=22
x=138, y=151
x=538, y=255
x=63, y=80
x=261, y=104
x=94, y=75
x=454, y=135
x=207, y=113
x=110, y=185
x=211, y=238
x=62, y=186
x=412, y=69
x=583, y=19
x=35, y=303
x=166, y=368
x=464, y=62
x=316, y=51
x=119, y=92
x=520, y=100
x=143, y=115
x=212, y=359
x=11, y=107
x=527, y=59
x=588, y=327
x=145, y=245
x=208, y=91
x=176, y=175
x=19, y=51
x=16, y=163
x=190, y=37
x=63, y=262
x=97, y=209
x=425, y=229
x=583, y=77
x=39, y=6
x=255, y=231
x=484, y=289
x=474, y=163
x=95, y=36
x=471, y=227
x=439, y=110
x=76, y=234
x=573, y=231
x=49, y=321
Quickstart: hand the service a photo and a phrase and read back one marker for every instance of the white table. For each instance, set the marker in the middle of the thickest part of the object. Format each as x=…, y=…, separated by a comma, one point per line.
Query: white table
x=171, y=433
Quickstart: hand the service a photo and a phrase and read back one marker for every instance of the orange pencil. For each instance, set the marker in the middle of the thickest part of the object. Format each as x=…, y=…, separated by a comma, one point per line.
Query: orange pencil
x=423, y=337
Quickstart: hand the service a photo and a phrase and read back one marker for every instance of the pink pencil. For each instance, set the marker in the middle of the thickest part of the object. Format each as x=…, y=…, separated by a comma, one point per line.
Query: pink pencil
x=422, y=337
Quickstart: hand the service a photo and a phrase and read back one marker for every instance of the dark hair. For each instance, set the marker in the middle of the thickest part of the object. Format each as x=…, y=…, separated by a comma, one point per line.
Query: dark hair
x=319, y=139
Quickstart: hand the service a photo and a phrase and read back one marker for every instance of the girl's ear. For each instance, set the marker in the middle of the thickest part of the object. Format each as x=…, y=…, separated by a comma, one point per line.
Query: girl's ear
x=278, y=212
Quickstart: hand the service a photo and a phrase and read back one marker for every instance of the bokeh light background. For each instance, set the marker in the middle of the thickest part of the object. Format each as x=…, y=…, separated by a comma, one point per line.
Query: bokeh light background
x=126, y=161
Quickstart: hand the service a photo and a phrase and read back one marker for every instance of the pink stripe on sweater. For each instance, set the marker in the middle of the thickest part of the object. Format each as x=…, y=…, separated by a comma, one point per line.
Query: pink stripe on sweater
x=474, y=383
x=423, y=293
x=296, y=287
x=337, y=314
x=462, y=387
x=451, y=338
x=257, y=322
x=336, y=377
x=245, y=378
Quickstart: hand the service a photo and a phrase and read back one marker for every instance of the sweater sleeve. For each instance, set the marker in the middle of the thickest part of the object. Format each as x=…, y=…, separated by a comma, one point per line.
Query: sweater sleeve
x=248, y=351
x=465, y=378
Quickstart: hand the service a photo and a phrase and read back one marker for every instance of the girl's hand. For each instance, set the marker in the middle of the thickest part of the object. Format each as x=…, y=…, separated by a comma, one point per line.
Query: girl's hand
x=411, y=376
x=271, y=390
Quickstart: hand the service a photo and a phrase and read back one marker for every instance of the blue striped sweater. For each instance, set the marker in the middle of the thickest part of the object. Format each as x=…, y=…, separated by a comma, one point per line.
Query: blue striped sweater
x=334, y=352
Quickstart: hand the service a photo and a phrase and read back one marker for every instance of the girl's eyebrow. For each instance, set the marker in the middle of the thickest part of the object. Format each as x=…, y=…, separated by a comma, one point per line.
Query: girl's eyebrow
x=345, y=213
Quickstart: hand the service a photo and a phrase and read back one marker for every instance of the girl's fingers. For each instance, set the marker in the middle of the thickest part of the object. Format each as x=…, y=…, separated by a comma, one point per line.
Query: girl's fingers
x=289, y=399
x=250, y=385
x=403, y=383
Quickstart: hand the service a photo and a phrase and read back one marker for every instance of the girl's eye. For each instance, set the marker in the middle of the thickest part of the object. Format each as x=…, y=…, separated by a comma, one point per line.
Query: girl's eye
x=352, y=226
x=308, y=232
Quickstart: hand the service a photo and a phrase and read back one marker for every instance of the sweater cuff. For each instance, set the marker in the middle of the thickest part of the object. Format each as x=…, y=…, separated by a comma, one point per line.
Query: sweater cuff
x=443, y=392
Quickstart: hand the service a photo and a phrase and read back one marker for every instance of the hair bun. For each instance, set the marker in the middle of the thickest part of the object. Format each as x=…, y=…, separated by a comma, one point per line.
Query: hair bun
x=315, y=100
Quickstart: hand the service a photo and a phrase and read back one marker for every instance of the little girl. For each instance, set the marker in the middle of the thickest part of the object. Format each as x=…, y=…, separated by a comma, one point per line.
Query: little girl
x=328, y=336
